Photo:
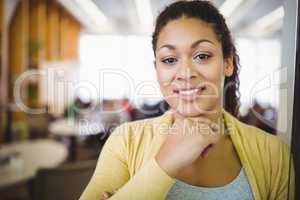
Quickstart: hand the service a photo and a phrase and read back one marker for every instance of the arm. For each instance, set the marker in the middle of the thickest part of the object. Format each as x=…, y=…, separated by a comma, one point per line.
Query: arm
x=112, y=174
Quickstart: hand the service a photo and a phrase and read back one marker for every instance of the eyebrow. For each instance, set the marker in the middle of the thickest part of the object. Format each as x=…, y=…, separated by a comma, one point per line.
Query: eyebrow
x=195, y=44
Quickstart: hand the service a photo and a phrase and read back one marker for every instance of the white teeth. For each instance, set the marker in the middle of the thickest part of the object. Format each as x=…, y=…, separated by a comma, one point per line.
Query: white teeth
x=188, y=92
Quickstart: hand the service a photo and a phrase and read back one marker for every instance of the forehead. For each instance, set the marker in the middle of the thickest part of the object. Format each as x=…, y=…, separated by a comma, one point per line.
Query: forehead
x=184, y=31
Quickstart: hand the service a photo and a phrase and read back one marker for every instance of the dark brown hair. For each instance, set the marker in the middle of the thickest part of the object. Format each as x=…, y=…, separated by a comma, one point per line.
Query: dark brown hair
x=205, y=11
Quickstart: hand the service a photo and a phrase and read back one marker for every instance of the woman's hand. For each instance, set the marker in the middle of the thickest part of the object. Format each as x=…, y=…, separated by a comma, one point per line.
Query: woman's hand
x=188, y=139
x=105, y=196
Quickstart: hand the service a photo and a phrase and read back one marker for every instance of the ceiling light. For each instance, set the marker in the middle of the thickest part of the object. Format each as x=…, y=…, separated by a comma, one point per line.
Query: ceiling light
x=270, y=18
x=89, y=7
x=266, y=25
x=144, y=12
x=229, y=6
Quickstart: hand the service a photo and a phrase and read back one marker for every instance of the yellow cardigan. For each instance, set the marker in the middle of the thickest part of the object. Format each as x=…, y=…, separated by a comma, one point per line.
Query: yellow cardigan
x=127, y=168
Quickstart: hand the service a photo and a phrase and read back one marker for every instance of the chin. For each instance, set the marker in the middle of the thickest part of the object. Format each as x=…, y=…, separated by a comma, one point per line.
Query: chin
x=198, y=109
x=190, y=112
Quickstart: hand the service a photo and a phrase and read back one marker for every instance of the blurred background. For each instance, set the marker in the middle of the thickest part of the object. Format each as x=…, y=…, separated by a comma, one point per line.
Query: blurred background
x=73, y=70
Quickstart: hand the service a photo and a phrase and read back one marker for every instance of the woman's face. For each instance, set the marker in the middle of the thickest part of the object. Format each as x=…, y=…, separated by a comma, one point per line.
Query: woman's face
x=190, y=67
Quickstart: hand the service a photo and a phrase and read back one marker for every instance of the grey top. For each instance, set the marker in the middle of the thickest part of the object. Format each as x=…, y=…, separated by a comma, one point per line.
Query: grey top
x=238, y=189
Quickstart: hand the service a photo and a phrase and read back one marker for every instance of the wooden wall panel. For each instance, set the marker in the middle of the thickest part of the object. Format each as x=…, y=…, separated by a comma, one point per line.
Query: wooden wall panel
x=40, y=31
x=2, y=71
x=37, y=45
x=53, y=31
x=62, y=34
x=18, y=56
x=18, y=44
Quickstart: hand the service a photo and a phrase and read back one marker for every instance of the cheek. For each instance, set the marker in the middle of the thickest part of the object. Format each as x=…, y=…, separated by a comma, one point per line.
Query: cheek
x=212, y=76
x=165, y=79
x=165, y=76
x=212, y=73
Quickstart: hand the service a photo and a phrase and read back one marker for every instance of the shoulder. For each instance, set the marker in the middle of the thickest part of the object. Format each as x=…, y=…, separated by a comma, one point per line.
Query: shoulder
x=261, y=146
x=138, y=126
x=251, y=136
x=259, y=138
x=139, y=131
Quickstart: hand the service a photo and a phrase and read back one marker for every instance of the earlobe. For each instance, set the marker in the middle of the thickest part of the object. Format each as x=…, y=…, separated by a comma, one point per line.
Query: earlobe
x=228, y=71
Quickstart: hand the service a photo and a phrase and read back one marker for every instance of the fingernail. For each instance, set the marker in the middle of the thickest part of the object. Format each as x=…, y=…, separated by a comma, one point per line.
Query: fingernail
x=104, y=196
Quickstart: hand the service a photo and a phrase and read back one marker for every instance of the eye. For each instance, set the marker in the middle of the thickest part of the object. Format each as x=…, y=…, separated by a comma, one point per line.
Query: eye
x=202, y=57
x=169, y=61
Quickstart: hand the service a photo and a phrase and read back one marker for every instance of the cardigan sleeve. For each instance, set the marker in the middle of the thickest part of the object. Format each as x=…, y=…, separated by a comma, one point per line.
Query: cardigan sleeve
x=112, y=174
x=283, y=184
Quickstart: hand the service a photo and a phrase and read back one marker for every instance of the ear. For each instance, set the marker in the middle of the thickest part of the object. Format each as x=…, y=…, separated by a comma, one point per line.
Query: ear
x=228, y=67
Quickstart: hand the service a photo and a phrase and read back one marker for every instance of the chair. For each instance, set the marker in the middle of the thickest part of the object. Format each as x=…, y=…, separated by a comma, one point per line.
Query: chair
x=63, y=183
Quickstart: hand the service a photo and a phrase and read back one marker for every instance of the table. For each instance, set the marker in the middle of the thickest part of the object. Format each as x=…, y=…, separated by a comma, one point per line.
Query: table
x=72, y=129
x=33, y=154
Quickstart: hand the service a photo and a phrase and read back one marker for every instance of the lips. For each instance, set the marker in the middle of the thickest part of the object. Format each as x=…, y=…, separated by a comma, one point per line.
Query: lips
x=190, y=93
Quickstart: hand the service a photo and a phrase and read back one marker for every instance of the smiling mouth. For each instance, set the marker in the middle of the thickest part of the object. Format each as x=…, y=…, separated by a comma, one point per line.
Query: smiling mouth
x=189, y=94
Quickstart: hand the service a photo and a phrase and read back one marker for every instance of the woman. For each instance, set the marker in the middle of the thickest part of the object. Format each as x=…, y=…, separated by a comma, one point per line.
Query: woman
x=198, y=149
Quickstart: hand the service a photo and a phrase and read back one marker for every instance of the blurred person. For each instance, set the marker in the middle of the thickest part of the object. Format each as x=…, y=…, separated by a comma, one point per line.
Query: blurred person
x=262, y=117
x=127, y=107
x=73, y=110
x=155, y=110
x=198, y=149
x=113, y=114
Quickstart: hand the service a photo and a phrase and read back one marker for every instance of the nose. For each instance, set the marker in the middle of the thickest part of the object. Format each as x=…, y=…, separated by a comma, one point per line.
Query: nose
x=186, y=72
